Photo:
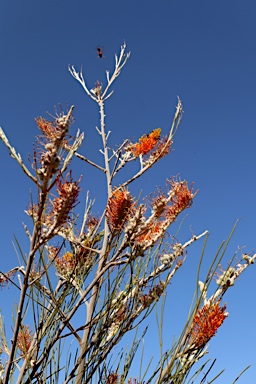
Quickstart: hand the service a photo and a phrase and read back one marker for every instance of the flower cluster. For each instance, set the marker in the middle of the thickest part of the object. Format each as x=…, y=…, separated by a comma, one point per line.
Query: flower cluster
x=206, y=323
x=61, y=206
x=75, y=262
x=113, y=378
x=54, y=138
x=164, y=210
x=120, y=206
x=24, y=340
x=153, y=295
x=150, y=145
x=118, y=321
x=146, y=143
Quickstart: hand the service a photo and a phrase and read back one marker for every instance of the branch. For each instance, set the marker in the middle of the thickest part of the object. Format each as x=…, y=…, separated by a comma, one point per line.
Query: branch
x=17, y=157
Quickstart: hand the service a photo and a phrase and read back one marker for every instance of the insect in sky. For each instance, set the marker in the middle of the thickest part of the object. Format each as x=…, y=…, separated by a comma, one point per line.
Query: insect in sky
x=100, y=52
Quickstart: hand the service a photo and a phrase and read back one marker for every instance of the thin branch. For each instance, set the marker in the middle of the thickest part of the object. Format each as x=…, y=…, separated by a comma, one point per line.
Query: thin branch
x=17, y=157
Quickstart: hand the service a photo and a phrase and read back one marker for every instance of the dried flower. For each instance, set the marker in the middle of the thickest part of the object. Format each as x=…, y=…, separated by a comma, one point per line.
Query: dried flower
x=32, y=211
x=135, y=381
x=48, y=128
x=162, y=149
x=119, y=207
x=24, y=340
x=206, y=323
x=97, y=89
x=153, y=295
x=5, y=277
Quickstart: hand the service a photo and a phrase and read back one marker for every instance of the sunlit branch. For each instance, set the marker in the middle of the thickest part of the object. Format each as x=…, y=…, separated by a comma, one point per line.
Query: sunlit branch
x=17, y=157
x=89, y=162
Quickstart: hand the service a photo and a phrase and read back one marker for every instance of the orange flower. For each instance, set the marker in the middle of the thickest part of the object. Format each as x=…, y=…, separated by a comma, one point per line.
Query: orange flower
x=119, y=207
x=24, y=340
x=150, y=233
x=113, y=378
x=146, y=143
x=68, y=257
x=54, y=130
x=61, y=206
x=206, y=323
x=181, y=198
x=65, y=264
x=162, y=148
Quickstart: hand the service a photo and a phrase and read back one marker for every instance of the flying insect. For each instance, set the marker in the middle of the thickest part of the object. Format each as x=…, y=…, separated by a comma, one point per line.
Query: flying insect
x=100, y=52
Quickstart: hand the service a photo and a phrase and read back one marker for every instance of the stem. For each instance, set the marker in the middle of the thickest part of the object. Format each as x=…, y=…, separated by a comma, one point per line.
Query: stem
x=97, y=286
x=33, y=248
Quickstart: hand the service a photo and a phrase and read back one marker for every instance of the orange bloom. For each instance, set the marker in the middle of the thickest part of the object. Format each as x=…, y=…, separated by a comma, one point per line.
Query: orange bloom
x=68, y=257
x=162, y=148
x=181, y=199
x=206, y=323
x=47, y=127
x=165, y=209
x=24, y=340
x=113, y=378
x=150, y=234
x=65, y=264
x=61, y=206
x=119, y=207
x=146, y=143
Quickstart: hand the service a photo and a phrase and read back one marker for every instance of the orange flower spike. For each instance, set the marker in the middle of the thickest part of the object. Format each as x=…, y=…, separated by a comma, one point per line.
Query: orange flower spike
x=161, y=149
x=146, y=143
x=119, y=206
x=181, y=198
x=24, y=340
x=47, y=127
x=152, y=232
x=61, y=206
x=206, y=323
x=113, y=378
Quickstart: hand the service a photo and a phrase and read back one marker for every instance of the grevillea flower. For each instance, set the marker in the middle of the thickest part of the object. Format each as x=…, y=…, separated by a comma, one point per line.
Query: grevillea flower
x=32, y=211
x=146, y=143
x=24, y=340
x=152, y=296
x=113, y=378
x=180, y=197
x=71, y=262
x=5, y=278
x=48, y=128
x=65, y=264
x=150, y=234
x=53, y=139
x=206, y=323
x=164, y=210
x=120, y=205
x=54, y=130
x=61, y=206
x=161, y=149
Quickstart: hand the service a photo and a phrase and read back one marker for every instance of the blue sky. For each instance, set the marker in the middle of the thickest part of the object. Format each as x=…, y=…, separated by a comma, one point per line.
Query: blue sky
x=202, y=51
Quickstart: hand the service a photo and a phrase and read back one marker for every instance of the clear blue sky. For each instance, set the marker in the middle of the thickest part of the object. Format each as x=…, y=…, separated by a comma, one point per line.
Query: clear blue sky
x=203, y=51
